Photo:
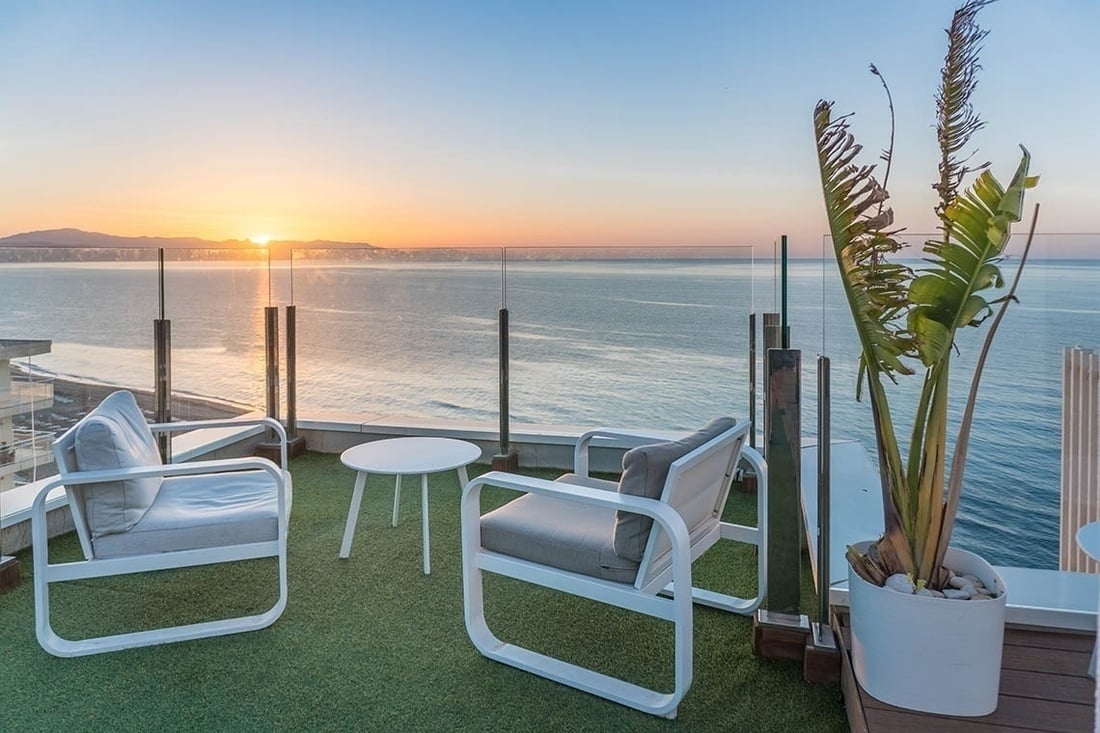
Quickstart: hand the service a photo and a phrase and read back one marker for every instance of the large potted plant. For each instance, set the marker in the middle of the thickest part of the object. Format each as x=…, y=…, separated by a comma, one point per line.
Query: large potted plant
x=915, y=642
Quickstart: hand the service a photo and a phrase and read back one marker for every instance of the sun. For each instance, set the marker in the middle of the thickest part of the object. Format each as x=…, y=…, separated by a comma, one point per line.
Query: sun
x=260, y=239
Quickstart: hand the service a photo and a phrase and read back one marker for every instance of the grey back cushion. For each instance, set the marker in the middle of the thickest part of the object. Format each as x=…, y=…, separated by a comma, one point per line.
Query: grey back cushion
x=115, y=435
x=645, y=470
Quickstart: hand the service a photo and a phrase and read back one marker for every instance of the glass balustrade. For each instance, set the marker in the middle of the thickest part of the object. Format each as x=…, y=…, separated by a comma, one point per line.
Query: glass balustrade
x=397, y=333
x=94, y=306
x=646, y=337
x=215, y=299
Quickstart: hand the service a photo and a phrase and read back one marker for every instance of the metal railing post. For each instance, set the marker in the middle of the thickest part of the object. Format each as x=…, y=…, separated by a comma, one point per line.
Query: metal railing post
x=773, y=339
x=780, y=631
x=271, y=362
x=505, y=439
x=752, y=379
x=162, y=365
x=783, y=441
x=291, y=371
x=785, y=326
x=823, y=634
x=507, y=459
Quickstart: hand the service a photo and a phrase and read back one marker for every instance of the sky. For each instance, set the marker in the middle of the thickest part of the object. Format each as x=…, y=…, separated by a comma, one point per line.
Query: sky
x=587, y=122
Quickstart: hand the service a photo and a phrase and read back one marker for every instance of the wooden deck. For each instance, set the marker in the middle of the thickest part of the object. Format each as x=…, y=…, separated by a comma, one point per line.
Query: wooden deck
x=1044, y=687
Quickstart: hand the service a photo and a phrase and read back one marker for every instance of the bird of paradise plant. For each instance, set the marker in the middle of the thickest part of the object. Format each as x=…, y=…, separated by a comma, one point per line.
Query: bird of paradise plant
x=903, y=315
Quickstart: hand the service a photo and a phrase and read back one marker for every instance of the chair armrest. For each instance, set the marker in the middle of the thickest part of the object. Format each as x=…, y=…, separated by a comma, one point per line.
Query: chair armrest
x=633, y=437
x=171, y=427
x=221, y=465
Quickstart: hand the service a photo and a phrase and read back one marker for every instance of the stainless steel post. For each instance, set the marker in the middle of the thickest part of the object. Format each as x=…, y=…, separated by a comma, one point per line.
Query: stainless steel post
x=752, y=379
x=784, y=323
x=783, y=440
x=505, y=438
x=773, y=339
x=162, y=365
x=271, y=361
x=824, y=456
x=291, y=371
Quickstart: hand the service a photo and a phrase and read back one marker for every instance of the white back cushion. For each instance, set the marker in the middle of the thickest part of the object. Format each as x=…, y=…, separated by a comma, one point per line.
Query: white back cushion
x=112, y=436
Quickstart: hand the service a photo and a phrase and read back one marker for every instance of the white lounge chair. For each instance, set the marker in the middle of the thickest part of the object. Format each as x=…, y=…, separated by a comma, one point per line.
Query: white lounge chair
x=134, y=514
x=621, y=544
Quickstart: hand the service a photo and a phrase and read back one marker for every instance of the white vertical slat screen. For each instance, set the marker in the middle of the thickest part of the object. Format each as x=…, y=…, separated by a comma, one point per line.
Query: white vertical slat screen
x=1080, y=454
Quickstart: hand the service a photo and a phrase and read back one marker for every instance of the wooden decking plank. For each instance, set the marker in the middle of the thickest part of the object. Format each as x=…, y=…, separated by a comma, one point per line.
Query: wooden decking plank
x=892, y=721
x=1075, y=642
x=1052, y=661
x=1043, y=686
x=1011, y=712
x=857, y=722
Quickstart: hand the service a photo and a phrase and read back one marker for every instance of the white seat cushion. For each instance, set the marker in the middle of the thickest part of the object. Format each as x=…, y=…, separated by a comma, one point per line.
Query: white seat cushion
x=559, y=533
x=208, y=510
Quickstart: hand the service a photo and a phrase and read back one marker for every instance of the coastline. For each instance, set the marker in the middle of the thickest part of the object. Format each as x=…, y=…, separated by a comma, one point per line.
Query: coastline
x=72, y=399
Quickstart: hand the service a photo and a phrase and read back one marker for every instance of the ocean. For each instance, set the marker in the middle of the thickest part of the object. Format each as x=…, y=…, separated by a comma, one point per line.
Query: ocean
x=632, y=342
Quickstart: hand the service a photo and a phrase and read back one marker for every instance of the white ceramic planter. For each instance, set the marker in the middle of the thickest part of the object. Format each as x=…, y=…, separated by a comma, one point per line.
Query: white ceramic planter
x=929, y=654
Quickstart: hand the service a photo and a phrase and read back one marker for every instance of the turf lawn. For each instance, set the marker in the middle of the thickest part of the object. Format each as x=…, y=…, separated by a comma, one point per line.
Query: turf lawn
x=371, y=643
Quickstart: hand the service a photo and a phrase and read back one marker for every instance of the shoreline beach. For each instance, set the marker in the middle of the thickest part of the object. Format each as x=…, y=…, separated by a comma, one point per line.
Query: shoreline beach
x=72, y=399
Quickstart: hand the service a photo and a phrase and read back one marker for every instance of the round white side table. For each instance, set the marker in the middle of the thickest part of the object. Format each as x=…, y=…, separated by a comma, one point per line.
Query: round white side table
x=1088, y=539
x=404, y=457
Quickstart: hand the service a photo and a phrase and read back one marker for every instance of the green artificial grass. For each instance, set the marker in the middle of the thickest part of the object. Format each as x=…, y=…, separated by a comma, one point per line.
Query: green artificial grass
x=371, y=643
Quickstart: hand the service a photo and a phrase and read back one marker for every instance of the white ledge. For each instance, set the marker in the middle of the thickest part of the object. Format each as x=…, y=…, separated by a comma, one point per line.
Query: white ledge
x=543, y=434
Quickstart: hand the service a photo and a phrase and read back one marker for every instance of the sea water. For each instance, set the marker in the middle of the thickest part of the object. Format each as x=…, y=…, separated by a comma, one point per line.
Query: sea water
x=633, y=343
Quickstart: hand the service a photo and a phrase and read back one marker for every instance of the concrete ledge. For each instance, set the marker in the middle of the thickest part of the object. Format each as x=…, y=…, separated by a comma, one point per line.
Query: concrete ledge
x=538, y=446
x=208, y=443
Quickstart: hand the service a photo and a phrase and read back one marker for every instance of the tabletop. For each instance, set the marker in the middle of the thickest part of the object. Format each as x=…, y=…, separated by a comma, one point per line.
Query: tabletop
x=407, y=456
x=1088, y=539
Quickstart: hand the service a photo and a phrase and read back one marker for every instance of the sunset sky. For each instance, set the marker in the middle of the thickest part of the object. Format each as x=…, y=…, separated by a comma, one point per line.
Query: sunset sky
x=494, y=123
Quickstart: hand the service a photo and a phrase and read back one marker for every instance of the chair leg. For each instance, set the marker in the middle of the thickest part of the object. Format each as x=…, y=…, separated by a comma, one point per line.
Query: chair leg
x=424, y=522
x=396, y=498
x=60, y=647
x=572, y=675
x=353, y=513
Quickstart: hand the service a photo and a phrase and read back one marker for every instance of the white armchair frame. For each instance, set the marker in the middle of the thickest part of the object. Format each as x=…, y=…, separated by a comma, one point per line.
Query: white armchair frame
x=665, y=567
x=92, y=567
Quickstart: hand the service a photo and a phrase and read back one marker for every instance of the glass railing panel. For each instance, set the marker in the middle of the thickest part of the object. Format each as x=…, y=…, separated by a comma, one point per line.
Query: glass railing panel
x=1010, y=506
x=391, y=333
x=95, y=307
x=28, y=392
x=214, y=300
x=640, y=337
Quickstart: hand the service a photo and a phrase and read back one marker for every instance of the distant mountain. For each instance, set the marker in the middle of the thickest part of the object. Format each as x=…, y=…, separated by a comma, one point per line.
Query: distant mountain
x=98, y=240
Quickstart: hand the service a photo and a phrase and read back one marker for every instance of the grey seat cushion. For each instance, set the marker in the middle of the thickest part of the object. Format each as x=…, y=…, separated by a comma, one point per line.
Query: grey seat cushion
x=115, y=435
x=208, y=510
x=645, y=470
x=558, y=533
